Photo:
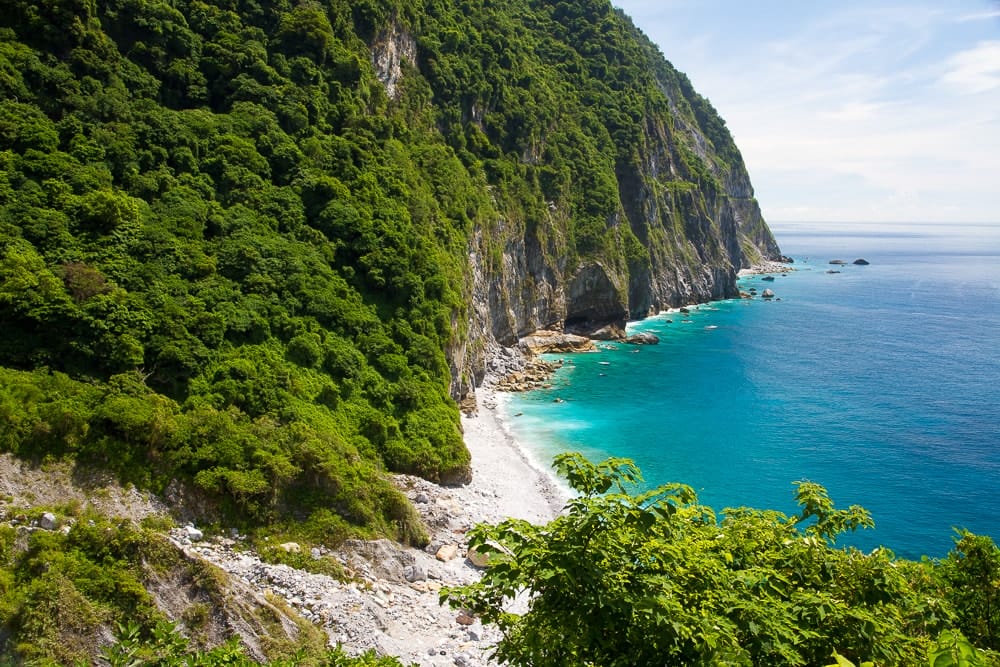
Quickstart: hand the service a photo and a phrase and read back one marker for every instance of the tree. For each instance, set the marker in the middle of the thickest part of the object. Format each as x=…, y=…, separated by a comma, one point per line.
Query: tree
x=656, y=578
x=971, y=574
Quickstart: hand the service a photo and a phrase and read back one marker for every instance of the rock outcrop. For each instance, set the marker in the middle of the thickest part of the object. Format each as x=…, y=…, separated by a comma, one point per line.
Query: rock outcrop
x=685, y=223
x=642, y=338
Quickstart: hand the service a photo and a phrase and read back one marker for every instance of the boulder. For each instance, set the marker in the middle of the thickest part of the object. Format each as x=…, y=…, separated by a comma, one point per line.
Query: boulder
x=378, y=559
x=193, y=533
x=642, y=338
x=543, y=342
x=447, y=553
x=767, y=294
x=860, y=261
x=414, y=573
x=48, y=521
x=291, y=547
x=608, y=332
x=478, y=558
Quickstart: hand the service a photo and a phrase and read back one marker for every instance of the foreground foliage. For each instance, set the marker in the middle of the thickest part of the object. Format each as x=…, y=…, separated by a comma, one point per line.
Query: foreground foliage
x=165, y=647
x=62, y=592
x=656, y=578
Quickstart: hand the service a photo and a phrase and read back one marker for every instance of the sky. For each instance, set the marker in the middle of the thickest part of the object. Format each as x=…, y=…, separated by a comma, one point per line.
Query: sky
x=849, y=110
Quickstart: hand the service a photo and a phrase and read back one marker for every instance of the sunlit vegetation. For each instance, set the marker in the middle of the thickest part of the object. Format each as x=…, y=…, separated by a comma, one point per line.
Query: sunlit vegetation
x=657, y=578
x=228, y=257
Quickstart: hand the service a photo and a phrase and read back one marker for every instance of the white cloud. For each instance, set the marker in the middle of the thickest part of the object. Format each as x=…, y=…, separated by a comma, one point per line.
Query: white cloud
x=978, y=16
x=975, y=70
x=856, y=111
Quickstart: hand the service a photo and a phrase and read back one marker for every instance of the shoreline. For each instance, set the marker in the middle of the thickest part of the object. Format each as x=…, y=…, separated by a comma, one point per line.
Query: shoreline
x=503, y=468
x=767, y=266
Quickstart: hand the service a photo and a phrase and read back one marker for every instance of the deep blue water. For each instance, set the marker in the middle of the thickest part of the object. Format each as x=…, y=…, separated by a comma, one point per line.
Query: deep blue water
x=881, y=382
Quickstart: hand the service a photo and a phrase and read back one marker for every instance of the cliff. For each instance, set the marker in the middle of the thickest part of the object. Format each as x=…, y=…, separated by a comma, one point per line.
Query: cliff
x=252, y=252
x=658, y=212
x=256, y=250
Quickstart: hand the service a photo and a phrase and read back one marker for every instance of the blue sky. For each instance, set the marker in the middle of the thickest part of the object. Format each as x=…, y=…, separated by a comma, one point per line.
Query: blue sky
x=849, y=111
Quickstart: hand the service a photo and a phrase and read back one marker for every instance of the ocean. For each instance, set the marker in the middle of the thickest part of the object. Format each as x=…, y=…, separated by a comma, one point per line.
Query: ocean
x=880, y=382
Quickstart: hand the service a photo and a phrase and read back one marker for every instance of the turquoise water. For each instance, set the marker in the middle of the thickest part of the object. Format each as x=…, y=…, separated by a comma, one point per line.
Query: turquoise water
x=881, y=382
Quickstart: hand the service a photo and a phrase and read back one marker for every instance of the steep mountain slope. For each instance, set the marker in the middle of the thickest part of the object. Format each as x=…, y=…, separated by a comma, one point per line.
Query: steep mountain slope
x=257, y=248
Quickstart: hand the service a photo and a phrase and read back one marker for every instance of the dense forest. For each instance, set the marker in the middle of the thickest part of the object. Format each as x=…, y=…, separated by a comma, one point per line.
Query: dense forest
x=232, y=255
x=252, y=252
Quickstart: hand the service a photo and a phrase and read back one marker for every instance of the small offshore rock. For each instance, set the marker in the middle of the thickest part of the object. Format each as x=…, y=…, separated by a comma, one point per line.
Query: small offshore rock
x=48, y=521
x=838, y=262
x=642, y=338
x=767, y=294
x=608, y=332
x=860, y=261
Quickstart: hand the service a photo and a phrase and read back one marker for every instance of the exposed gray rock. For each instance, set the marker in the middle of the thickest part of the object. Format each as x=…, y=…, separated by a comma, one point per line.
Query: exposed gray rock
x=609, y=332
x=193, y=534
x=381, y=559
x=528, y=277
x=415, y=572
x=48, y=521
x=861, y=262
x=544, y=342
x=389, y=51
x=767, y=294
x=642, y=338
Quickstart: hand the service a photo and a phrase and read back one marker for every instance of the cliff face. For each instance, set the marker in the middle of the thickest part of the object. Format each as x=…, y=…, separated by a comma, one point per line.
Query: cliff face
x=684, y=220
x=260, y=247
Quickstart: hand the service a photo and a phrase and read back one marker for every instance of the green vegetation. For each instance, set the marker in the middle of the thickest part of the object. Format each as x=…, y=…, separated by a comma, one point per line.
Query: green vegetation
x=165, y=647
x=656, y=578
x=59, y=590
x=230, y=262
x=228, y=257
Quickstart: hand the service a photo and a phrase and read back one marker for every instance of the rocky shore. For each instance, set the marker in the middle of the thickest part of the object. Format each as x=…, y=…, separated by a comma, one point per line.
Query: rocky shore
x=391, y=604
x=389, y=601
x=768, y=266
